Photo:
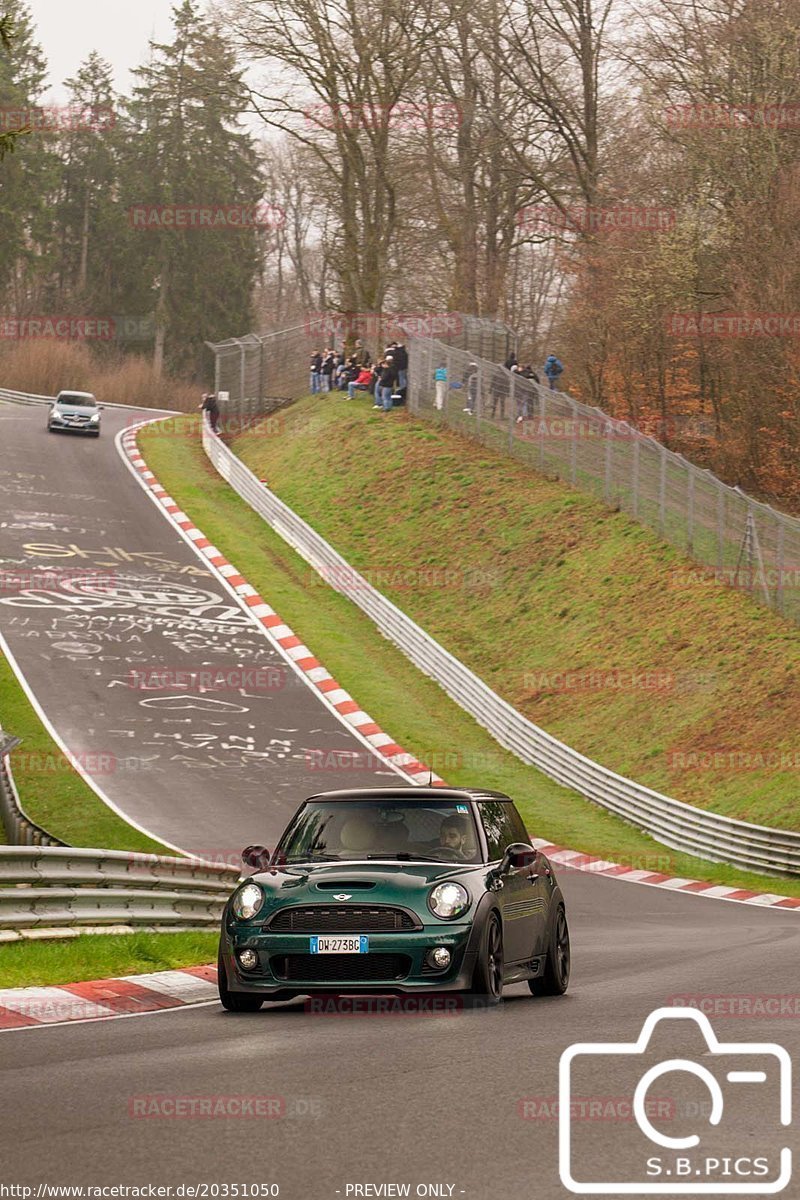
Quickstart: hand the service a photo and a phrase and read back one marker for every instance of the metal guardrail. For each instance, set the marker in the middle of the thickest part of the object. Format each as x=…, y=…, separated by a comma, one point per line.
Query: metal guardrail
x=54, y=888
x=13, y=397
x=19, y=829
x=671, y=822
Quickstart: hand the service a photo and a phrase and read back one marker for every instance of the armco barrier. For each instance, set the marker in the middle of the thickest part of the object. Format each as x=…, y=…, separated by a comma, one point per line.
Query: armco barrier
x=19, y=829
x=671, y=822
x=53, y=888
x=13, y=397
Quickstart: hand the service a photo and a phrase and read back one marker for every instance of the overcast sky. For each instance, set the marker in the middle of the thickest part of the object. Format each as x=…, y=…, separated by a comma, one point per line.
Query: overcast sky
x=119, y=30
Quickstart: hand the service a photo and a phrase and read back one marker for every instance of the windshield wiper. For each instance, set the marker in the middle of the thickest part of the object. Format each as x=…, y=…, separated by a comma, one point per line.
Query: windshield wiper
x=310, y=858
x=404, y=856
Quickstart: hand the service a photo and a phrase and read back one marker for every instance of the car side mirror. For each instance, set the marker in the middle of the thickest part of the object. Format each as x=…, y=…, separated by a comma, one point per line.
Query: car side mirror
x=257, y=857
x=101, y=407
x=518, y=856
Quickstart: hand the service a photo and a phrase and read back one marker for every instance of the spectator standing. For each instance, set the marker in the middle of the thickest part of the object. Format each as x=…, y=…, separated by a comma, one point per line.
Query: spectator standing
x=511, y=362
x=210, y=404
x=401, y=362
x=316, y=367
x=387, y=378
x=440, y=386
x=552, y=369
x=326, y=370
x=471, y=386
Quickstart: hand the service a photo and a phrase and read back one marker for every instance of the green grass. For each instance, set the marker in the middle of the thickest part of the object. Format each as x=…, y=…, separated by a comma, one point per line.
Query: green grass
x=100, y=956
x=394, y=473
x=570, y=586
x=59, y=800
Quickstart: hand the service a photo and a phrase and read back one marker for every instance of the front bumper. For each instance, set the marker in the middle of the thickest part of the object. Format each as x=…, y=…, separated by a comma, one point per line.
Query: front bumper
x=72, y=427
x=270, y=977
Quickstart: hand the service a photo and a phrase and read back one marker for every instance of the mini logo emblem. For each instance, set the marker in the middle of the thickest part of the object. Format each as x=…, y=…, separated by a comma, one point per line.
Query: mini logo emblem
x=343, y=896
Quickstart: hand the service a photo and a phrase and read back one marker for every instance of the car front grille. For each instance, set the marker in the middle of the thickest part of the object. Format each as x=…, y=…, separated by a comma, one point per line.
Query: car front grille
x=341, y=968
x=323, y=918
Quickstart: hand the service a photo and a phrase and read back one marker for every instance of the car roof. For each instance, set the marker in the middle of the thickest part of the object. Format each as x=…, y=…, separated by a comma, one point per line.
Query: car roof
x=420, y=794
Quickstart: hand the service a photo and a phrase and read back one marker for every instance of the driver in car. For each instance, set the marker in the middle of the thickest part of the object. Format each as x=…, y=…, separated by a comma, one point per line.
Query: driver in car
x=453, y=835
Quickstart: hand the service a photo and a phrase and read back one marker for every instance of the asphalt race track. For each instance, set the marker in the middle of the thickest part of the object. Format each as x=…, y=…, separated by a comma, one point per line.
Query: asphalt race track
x=189, y=767
x=460, y=1100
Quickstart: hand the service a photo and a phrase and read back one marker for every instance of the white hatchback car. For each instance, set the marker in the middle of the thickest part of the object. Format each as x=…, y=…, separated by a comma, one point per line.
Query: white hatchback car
x=77, y=411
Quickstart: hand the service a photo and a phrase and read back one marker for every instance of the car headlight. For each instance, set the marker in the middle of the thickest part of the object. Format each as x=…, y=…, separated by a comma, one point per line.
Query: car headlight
x=448, y=900
x=95, y=418
x=247, y=901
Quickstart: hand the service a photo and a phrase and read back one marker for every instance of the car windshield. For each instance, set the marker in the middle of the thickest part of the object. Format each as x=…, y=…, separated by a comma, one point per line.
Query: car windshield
x=76, y=401
x=348, y=830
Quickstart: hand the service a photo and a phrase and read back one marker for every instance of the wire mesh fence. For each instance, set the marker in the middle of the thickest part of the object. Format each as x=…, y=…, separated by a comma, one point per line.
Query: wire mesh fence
x=256, y=372
x=739, y=541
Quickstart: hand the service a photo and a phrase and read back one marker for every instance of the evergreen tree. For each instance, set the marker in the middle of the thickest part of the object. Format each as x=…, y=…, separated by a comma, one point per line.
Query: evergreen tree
x=186, y=149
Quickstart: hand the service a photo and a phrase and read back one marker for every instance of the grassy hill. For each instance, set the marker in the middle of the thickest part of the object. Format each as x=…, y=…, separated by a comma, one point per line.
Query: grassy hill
x=579, y=617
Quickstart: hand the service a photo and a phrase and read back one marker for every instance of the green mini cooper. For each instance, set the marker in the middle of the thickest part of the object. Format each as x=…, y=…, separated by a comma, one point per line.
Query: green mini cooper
x=395, y=891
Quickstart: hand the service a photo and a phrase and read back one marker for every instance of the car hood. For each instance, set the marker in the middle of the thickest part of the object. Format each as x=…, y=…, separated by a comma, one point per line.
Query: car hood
x=379, y=882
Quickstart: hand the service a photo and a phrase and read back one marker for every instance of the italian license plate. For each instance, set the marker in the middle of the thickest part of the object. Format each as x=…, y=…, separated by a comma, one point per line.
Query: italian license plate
x=355, y=943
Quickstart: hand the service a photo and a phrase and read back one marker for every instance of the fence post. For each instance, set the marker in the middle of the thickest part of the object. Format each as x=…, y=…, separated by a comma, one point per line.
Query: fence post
x=573, y=447
x=635, y=476
x=690, y=510
x=609, y=428
x=720, y=527
x=542, y=424
x=662, y=491
x=779, y=559
x=512, y=410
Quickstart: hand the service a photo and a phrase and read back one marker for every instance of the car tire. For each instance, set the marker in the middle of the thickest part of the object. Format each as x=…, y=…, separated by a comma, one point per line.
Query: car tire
x=555, y=980
x=487, y=978
x=234, y=1001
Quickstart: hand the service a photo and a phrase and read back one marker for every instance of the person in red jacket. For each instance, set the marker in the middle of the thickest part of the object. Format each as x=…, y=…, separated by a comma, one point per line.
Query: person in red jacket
x=361, y=383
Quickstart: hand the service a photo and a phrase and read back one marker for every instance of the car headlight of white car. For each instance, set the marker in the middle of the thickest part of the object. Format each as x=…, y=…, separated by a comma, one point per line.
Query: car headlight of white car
x=448, y=900
x=247, y=901
x=94, y=418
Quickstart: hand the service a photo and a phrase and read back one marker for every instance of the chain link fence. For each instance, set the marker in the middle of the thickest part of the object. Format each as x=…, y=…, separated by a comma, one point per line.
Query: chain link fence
x=739, y=541
x=255, y=374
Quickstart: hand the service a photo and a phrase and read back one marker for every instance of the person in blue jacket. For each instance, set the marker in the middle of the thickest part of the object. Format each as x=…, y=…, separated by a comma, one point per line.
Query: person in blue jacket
x=552, y=369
